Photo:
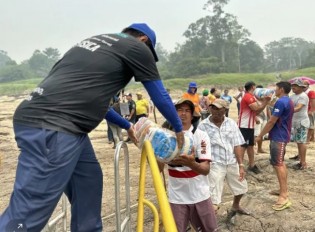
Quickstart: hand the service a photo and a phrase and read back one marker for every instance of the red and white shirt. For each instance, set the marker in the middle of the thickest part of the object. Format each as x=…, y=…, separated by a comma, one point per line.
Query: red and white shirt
x=311, y=95
x=247, y=115
x=184, y=185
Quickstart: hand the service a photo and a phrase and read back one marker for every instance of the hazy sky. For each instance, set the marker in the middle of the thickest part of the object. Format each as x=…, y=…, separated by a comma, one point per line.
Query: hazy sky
x=27, y=25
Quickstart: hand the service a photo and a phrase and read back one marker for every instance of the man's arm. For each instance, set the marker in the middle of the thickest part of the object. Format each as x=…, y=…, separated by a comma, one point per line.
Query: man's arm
x=113, y=117
x=312, y=105
x=298, y=107
x=238, y=151
x=258, y=108
x=237, y=97
x=163, y=102
x=202, y=168
x=270, y=124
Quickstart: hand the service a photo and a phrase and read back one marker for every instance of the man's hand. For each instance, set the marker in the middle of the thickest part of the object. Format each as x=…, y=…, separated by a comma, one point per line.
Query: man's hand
x=258, y=138
x=242, y=173
x=184, y=159
x=132, y=135
x=180, y=140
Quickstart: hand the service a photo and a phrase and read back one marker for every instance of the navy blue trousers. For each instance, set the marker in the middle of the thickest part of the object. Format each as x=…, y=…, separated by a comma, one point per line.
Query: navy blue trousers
x=49, y=164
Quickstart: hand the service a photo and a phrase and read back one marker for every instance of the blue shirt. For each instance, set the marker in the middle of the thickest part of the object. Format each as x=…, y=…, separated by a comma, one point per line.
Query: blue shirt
x=226, y=98
x=283, y=109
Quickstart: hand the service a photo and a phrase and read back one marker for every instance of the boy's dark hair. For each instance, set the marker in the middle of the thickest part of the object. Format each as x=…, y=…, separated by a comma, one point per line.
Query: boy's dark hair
x=249, y=85
x=212, y=90
x=259, y=86
x=286, y=86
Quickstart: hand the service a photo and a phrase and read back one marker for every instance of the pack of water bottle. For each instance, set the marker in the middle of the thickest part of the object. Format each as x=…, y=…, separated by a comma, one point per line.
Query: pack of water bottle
x=163, y=141
x=261, y=93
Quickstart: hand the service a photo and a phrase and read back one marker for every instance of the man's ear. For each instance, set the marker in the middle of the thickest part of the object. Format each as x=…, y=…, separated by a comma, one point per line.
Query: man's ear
x=143, y=38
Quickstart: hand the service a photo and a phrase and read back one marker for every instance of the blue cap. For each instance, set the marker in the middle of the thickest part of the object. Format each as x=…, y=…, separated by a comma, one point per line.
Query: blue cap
x=145, y=29
x=192, y=85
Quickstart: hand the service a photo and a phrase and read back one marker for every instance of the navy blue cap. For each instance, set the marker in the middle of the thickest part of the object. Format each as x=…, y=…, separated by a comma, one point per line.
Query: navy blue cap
x=145, y=29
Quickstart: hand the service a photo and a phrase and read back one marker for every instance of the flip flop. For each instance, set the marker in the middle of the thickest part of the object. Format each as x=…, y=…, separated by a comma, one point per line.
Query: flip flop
x=279, y=207
x=241, y=211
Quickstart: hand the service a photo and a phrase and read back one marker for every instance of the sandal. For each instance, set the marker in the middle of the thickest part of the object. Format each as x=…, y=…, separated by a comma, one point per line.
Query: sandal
x=297, y=157
x=299, y=166
x=282, y=206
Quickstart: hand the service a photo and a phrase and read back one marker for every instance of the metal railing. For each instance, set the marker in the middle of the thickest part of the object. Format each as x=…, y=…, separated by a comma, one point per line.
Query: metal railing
x=125, y=225
x=51, y=226
x=165, y=209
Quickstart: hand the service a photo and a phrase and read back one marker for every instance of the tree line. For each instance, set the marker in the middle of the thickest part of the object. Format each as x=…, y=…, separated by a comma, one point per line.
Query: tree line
x=216, y=43
x=38, y=65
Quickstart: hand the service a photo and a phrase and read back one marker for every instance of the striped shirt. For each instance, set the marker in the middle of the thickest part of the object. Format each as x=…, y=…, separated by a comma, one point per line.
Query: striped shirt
x=247, y=115
x=184, y=185
x=223, y=140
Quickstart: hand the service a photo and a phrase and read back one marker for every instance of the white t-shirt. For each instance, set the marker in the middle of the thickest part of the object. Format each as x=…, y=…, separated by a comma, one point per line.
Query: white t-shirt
x=301, y=117
x=184, y=185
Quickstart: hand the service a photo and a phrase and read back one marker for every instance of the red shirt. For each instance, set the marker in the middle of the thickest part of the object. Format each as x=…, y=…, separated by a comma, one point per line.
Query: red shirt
x=311, y=95
x=247, y=115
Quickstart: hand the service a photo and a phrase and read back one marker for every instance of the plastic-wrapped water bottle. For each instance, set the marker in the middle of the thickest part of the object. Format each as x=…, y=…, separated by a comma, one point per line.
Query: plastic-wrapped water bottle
x=261, y=93
x=163, y=141
x=164, y=144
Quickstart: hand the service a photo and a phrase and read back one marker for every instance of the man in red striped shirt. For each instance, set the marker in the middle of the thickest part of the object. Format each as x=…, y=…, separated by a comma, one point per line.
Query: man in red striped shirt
x=248, y=110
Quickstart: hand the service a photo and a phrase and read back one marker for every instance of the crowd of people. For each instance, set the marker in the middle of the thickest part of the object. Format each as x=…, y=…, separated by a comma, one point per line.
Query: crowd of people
x=278, y=118
x=52, y=124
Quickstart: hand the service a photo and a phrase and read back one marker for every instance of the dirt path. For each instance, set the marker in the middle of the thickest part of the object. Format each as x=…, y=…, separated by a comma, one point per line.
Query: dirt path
x=300, y=217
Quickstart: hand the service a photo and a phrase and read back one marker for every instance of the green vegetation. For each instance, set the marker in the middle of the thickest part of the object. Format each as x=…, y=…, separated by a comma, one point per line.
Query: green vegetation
x=18, y=87
x=223, y=80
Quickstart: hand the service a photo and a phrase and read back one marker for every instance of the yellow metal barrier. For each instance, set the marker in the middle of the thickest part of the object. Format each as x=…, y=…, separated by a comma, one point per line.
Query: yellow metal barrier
x=165, y=209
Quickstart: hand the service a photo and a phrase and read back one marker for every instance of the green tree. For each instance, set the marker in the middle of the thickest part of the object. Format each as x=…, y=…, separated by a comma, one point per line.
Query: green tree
x=5, y=59
x=41, y=62
x=221, y=33
x=286, y=54
x=251, y=56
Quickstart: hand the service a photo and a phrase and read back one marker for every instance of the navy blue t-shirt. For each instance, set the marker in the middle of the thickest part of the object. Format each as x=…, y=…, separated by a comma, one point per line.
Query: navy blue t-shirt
x=75, y=95
x=283, y=109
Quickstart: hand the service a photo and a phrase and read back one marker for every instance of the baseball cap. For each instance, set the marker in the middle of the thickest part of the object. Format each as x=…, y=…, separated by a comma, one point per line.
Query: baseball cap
x=139, y=93
x=128, y=94
x=188, y=102
x=298, y=82
x=220, y=103
x=145, y=29
x=205, y=92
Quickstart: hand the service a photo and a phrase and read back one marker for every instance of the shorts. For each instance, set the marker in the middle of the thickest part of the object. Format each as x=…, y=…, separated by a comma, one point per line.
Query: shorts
x=230, y=173
x=277, y=152
x=258, y=127
x=300, y=134
x=249, y=136
x=312, y=119
x=200, y=215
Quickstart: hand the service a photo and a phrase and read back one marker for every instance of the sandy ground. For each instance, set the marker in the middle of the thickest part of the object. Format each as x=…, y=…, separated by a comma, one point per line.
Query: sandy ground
x=300, y=217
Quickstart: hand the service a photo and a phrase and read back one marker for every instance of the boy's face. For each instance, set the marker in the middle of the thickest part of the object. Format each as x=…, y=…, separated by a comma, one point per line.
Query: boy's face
x=184, y=113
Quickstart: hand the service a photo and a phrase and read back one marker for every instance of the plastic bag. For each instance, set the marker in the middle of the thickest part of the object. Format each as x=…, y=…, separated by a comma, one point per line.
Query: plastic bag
x=163, y=141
